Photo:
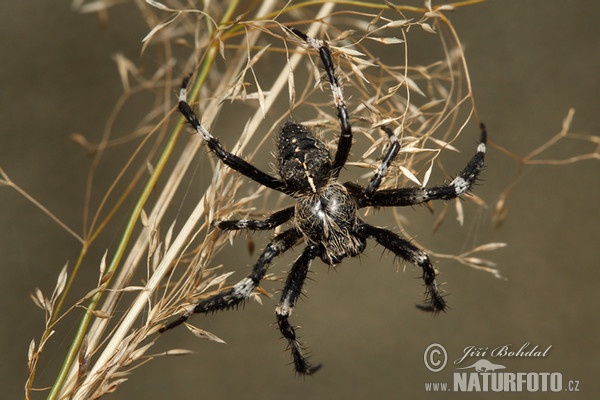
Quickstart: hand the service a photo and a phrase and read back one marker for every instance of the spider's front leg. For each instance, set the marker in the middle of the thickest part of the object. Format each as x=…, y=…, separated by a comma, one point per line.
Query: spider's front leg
x=407, y=251
x=413, y=196
x=388, y=158
x=289, y=296
x=239, y=292
x=345, y=142
x=231, y=160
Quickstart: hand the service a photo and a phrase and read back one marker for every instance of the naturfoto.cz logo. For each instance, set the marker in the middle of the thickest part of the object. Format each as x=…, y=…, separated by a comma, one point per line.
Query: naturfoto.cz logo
x=483, y=375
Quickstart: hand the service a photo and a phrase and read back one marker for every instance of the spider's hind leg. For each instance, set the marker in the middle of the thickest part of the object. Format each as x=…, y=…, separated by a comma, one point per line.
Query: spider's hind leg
x=239, y=292
x=289, y=296
x=409, y=252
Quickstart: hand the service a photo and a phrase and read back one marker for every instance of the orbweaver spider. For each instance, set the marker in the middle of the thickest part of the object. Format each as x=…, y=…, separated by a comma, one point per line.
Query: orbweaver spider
x=325, y=215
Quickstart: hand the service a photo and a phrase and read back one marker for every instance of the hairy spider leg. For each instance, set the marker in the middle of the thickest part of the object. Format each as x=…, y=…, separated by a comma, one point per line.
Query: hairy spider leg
x=412, y=196
x=239, y=292
x=231, y=160
x=388, y=158
x=409, y=252
x=272, y=221
x=289, y=296
x=345, y=141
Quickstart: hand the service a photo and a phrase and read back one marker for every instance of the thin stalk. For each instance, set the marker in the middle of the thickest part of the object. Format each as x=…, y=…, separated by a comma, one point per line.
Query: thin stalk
x=82, y=329
x=131, y=224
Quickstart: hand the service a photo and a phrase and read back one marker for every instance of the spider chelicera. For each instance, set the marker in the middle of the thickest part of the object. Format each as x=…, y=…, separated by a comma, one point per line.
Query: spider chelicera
x=325, y=216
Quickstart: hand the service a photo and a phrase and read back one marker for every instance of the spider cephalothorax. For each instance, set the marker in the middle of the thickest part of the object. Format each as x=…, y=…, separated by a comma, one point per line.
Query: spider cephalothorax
x=325, y=216
x=304, y=162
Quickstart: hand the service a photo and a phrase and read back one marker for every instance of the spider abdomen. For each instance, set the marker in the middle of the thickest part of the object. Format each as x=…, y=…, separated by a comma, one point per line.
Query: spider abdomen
x=328, y=217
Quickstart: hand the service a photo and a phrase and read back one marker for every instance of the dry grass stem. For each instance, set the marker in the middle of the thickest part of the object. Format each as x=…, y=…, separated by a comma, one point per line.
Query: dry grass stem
x=500, y=209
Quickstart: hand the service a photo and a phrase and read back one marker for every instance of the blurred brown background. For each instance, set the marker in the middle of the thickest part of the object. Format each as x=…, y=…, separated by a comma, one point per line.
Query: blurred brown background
x=529, y=62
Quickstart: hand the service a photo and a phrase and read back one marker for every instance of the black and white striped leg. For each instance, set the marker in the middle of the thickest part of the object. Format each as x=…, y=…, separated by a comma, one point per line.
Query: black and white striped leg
x=238, y=293
x=407, y=251
x=231, y=160
x=412, y=196
x=289, y=296
x=270, y=222
x=345, y=141
x=388, y=158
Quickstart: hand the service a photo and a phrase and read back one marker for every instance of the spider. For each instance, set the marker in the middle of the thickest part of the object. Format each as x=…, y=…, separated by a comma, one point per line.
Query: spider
x=325, y=215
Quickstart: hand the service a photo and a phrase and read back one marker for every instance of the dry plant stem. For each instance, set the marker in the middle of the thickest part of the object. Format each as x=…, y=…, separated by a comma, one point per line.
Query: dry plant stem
x=86, y=244
x=94, y=232
x=59, y=387
x=76, y=344
x=114, y=346
x=140, y=247
x=8, y=182
x=91, y=231
x=564, y=133
x=501, y=207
